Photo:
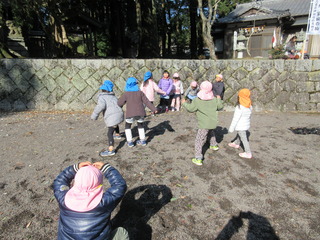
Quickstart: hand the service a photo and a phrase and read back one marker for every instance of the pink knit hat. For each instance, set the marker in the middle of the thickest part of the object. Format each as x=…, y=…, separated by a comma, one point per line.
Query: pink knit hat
x=176, y=75
x=87, y=190
x=205, y=92
x=193, y=84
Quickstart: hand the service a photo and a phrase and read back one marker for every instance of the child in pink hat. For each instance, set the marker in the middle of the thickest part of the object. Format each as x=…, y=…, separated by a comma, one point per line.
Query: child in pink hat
x=85, y=209
x=206, y=107
x=177, y=91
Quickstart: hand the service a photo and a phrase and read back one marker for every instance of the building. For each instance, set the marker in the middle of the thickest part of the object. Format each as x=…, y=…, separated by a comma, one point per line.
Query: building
x=250, y=28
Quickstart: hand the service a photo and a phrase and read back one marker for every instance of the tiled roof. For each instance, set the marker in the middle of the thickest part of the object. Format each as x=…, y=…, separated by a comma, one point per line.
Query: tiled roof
x=268, y=9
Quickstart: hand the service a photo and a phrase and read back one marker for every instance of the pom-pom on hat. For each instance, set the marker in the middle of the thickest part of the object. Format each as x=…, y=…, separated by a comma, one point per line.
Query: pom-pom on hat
x=205, y=92
x=107, y=86
x=87, y=190
x=147, y=76
x=219, y=76
x=244, y=97
x=131, y=85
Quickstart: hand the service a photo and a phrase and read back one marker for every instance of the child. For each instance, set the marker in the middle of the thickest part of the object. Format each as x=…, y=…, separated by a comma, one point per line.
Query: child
x=112, y=114
x=206, y=107
x=136, y=102
x=192, y=91
x=148, y=87
x=165, y=84
x=85, y=209
x=241, y=122
x=218, y=87
x=177, y=91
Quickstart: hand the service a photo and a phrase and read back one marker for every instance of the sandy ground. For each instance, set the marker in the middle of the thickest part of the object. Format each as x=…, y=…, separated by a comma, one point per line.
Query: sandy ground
x=274, y=195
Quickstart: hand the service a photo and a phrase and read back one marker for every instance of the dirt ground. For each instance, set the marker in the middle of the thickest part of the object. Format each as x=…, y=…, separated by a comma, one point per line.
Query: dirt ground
x=274, y=195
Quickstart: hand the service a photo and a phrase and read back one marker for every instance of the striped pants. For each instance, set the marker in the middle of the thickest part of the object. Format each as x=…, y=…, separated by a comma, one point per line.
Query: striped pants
x=201, y=139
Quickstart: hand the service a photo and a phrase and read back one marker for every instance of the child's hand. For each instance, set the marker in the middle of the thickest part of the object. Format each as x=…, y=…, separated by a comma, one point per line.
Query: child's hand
x=83, y=164
x=98, y=165
x=183, y=100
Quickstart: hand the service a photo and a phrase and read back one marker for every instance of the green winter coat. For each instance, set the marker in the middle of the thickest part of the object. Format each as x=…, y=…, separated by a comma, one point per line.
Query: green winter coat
x=206, y=111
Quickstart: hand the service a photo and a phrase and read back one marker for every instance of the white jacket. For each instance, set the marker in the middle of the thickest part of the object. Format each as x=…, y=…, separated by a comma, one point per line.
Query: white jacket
x=241, y=119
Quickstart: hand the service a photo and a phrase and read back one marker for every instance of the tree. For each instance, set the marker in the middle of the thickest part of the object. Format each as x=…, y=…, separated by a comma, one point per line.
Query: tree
x=208, y=16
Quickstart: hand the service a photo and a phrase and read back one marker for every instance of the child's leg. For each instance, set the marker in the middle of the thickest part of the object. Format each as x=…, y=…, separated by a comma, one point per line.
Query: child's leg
x=199, y=142
x=128, y=130
x=141, y=130
x=244, y=140
x=173, y=102
x=117, y=130
x=110, y=137
x=212, y=137
x=178, y=103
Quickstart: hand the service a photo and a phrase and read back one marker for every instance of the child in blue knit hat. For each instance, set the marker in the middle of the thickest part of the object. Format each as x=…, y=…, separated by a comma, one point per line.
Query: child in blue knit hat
x=112, y=114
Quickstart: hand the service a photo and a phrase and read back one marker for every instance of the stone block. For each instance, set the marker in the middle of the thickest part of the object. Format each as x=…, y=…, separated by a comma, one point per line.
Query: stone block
x=299, y=76
x=41, y=73
x=235, y=64
x=78, y=63
x=64, y=82
x=282, y=98
x=55, y=72
x=256, y=74
x=19, y=105
x=221, y=64
x=317, y=86
x=315, y=97
x=37, y=64
x=125, y=63
x=283, y=76
x=5, y=105
x=279, y=65
x=303, y=65
x=86, y=73
x=266, y=64
x=94, y=63
x=289, y=65
x=71, y=95
x=36, y=83
x=79, y=83
x=299, y=98
x=115, y=73
x=288, y=85
x=152, y=64
x=314, y=76
x=240, y=73
x=270, y=76
x=305, y=86
x=316, y=65
x=109, y=63
x=261, y=85
x=50, y=83
x=250, y=65
x=289, y=106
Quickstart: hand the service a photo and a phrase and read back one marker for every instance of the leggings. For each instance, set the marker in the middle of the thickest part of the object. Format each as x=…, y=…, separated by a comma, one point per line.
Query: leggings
x=242, y=136
x=201, y=138
x=164, y=102
x=111, y=130
x=128, y=125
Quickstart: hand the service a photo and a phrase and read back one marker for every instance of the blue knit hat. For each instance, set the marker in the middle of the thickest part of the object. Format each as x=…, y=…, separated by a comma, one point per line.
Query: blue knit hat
x=107, y=85
x=147, y=76
x=131, y=85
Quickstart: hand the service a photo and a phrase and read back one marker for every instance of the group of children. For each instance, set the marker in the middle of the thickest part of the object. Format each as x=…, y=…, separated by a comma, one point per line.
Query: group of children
x=85, y=209
x=205, y=100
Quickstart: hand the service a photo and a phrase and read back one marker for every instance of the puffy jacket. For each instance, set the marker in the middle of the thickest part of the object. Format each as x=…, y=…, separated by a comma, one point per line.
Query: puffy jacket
x=94, y=224
x=166, y=85
x=241, y=119
x=112, y=113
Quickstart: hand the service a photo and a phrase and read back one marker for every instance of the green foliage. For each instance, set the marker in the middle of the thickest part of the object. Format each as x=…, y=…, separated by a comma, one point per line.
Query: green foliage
x=278, y=52
x=103, y=45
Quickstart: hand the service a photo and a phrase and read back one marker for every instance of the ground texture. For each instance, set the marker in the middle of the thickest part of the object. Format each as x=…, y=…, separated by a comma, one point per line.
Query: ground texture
x=274, y=195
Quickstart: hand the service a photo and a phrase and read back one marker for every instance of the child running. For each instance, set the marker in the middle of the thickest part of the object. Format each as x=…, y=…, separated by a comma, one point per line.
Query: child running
x=112, y=114
x=177, y=91
x=148, y=87
x=192, y=91
x=136, y=101
x=165, y=84
x=206, y=107
x=218, y=86
x=241, y=123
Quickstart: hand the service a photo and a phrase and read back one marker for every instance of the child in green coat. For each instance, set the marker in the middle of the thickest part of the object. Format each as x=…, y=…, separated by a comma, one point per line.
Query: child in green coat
x=206, y=107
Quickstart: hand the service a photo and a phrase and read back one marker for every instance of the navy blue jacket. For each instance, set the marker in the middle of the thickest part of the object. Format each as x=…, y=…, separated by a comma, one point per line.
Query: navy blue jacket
x=94, y=224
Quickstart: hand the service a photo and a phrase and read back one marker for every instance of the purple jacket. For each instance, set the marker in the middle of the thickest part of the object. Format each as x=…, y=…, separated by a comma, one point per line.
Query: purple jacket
x=166, y=84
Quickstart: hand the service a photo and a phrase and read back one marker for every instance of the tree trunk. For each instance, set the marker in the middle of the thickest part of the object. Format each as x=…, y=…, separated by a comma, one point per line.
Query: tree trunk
x=193, y=28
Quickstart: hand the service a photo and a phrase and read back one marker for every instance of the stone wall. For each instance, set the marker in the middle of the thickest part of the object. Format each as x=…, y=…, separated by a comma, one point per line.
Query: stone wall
x=72, y=84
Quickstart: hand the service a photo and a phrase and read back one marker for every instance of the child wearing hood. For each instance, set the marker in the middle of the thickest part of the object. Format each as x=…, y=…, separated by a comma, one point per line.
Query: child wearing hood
x=192, y=91
x=206, y=107
x=148, y=87
x=165, y=84
x=85, y=209
x=135, y=101
x=241, y=123
x=112, y=114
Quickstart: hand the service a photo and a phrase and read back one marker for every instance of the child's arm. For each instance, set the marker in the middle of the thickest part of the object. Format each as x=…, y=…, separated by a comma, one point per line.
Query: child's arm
x=181, y=88
x=220, y=103
x=146, y=101
x=122, y=100
x=170, y=87
x=190, y=107
x=101, y=106
x=157, y=89
x=235, y=119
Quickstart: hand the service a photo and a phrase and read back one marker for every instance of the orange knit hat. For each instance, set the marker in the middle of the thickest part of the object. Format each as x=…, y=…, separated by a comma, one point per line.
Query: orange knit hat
x=244, y=97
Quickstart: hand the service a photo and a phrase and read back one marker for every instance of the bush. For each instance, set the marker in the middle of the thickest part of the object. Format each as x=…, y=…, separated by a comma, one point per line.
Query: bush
x=278, y=52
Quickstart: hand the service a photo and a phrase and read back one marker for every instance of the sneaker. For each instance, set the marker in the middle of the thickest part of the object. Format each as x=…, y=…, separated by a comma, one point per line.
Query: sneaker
x=245, y=155
x=197, y=161
x=117, y=137
x=215, y=147
x=130, y=144
x=141, y=142
x=167, y=110
x=107, y=153
x=233, y=145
